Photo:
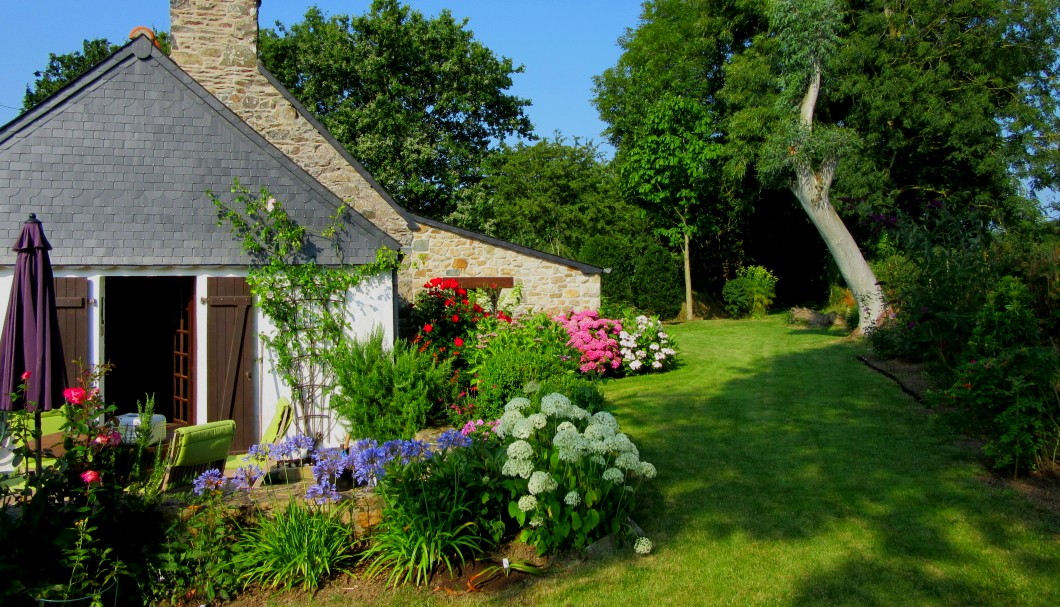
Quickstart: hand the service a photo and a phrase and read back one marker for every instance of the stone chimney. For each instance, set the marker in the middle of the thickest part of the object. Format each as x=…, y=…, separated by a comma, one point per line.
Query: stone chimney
x=216, y=43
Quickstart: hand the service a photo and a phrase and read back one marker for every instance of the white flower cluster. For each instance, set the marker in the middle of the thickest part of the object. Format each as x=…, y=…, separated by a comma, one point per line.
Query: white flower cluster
x=647, y=347
x=642, y=546
x=600, y=443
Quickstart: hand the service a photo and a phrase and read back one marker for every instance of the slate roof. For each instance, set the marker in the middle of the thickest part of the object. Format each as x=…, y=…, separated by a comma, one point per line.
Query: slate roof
x=117, y=163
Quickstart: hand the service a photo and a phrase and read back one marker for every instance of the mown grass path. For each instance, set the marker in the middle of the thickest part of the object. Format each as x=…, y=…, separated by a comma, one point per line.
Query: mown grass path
x=790, y=474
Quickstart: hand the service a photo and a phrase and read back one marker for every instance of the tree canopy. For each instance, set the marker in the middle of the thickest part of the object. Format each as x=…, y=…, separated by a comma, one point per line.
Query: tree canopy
x=417, y=100
x=551, y=196
x=926, y=101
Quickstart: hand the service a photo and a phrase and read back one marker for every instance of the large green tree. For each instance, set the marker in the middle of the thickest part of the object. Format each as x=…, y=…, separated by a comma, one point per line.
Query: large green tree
x=940, y=102
x=668, y=167
x=551, y=196
x=417, y=100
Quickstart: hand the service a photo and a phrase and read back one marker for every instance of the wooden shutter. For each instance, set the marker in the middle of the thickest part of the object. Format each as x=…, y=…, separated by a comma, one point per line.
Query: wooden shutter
x=230, y=357
x=71, y=298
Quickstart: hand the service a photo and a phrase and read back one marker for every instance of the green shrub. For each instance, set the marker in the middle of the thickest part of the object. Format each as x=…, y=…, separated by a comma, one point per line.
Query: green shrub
x=508, y=356
x=300, y=546
x=644, y=274
x=750, y=293
x=1007, y=391
x=386, y=394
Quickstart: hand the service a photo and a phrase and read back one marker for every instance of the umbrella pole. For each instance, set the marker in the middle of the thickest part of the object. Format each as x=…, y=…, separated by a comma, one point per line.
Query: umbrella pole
x=37, y=440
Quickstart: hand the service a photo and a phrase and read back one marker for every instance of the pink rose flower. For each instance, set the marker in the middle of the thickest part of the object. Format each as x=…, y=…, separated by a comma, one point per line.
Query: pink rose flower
x=90, y=477
x=75, y=396
x=26, y=375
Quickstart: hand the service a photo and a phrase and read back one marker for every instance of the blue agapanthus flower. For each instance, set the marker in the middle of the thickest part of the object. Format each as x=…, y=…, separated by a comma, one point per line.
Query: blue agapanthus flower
x=211, y=480
x=452, y=439
x=246, y=476
x=330, y=463
x=323, y=492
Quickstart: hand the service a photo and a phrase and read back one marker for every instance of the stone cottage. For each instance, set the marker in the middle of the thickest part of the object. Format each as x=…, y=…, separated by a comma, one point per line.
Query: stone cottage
x=116, y=165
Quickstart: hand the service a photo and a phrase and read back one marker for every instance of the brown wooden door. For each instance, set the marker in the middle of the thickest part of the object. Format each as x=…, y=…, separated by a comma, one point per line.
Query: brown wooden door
x=71, y=298
x=230, y=357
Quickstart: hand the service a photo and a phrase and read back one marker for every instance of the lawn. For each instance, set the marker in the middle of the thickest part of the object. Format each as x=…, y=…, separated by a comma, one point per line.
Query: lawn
x=790, y=474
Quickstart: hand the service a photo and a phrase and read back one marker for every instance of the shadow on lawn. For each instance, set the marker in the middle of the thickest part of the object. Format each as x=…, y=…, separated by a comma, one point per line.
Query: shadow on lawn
x=817, y=456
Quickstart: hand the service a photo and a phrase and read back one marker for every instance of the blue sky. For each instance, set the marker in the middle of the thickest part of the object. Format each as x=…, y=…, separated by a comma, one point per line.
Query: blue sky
x=561, y=43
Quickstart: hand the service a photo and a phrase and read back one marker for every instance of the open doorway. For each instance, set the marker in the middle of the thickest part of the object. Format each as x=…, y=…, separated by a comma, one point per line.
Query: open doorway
x=148, y=337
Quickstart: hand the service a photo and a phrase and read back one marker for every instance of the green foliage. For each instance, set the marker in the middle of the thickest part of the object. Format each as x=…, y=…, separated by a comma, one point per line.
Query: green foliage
x=387, y=393
x=417, y=100
x=750, y=293
x=306, y=302
x=511, y=355
x=196, y=561
x=429, y=518
x=298, y=547
x=1007, y=391
x=935, y=288
x=643, y=274
x=550, y=196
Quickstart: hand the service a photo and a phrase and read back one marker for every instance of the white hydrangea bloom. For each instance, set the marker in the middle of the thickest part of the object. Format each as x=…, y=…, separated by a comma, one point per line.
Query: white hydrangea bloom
x=555, y=404
x=656, y=365
x=538, y=420
x=599, y=447
x=565, y=426
x=523, y=428
x=517, y=404
x=517, y=467
x=576, y=412
x=527, y=503
x=647, y=470
x=598, y=460
x=621, y=444
x=599, y=432
x=569, y=455
x=642, y=546
x=541, y=482
x=507, y=423
x=567, y=438
x=627, y=461
x=603, y=417
x=614, y=475
x=537, y=520
x=573, y=498
x=520, y=449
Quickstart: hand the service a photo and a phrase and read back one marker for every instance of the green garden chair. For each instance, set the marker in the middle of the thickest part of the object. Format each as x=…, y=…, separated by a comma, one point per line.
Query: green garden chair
x=196, y=449
x=281, y=422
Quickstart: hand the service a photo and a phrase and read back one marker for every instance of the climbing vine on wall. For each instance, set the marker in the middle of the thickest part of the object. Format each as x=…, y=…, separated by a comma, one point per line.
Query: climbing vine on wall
x=306, y=302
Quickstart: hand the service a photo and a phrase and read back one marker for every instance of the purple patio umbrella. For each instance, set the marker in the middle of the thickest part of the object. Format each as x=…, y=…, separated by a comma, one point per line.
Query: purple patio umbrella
x=30, y=340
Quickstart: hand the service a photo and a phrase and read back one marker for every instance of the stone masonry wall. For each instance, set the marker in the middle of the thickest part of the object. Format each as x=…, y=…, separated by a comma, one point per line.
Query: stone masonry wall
x=546, y=286
x=216, y=43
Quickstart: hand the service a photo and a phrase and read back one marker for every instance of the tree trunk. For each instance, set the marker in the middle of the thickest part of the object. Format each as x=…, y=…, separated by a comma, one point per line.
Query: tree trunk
x=812, y=189
x=688, y=282
x=844, y=250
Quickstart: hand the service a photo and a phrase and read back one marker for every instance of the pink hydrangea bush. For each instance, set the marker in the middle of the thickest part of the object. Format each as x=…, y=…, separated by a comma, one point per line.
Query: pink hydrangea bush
x=595, y=338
